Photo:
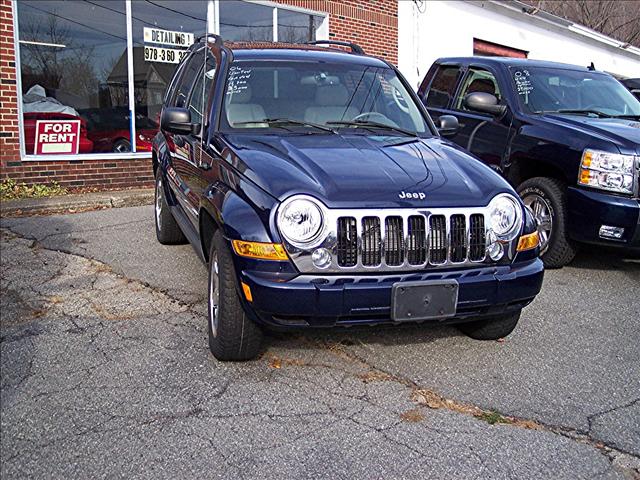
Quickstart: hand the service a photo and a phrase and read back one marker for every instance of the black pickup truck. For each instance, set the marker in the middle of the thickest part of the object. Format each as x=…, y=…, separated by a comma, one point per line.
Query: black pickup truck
x=566, y=137
x=317, y=189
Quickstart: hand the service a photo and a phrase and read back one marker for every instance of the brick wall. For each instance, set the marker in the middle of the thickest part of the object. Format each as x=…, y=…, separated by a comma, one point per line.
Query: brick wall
x=373, y=24
x=9, y=141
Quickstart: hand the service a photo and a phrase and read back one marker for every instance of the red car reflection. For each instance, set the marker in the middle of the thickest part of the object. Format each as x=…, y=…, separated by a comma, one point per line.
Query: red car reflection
x=30, y=119
x=117, y=140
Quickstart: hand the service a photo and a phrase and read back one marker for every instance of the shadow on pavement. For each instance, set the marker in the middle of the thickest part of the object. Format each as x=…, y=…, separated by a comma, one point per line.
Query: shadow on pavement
x=604, y=258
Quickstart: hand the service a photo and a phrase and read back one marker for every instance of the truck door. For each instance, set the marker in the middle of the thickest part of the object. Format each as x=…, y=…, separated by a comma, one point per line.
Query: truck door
x=484, y=135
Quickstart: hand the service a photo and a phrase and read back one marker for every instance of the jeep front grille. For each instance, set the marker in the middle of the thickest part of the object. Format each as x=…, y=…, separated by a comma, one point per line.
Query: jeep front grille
x=411, y=240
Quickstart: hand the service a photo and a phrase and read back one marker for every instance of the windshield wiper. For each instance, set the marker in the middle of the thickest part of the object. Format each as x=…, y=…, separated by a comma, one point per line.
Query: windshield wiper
x=369, y=124
x=579, y=111
x=630, y=117
x=281, y=122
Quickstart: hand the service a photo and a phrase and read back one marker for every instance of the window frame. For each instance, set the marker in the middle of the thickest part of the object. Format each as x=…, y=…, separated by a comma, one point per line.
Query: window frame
x=212, y=25
x=456, y=85
x=468, y=70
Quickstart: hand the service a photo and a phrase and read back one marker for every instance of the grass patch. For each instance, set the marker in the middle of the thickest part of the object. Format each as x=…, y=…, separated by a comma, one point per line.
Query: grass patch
x=11, y=190
x=493, y=418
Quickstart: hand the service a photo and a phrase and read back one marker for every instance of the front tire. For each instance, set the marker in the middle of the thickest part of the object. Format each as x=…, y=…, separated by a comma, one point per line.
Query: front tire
x=492, y=328
x=167, y=230
x=547, y=198
x=232, y=336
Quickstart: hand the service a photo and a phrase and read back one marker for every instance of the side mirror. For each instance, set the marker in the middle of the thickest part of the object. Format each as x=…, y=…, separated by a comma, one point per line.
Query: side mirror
x=178, y=120
x=485, y=103
x=448, y=125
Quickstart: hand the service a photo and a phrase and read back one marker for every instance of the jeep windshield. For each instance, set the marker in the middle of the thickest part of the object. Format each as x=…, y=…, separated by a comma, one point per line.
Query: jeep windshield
x=573, y=92
x=317, y=97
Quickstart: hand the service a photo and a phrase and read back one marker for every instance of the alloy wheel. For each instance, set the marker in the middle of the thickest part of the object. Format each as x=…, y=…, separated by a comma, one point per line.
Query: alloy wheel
x=159, y=203
x=542, y=212
x=214, y=294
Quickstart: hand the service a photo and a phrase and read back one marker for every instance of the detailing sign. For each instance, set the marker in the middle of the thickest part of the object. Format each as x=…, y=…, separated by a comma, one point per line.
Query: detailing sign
x=57, y=137
x=165, y=37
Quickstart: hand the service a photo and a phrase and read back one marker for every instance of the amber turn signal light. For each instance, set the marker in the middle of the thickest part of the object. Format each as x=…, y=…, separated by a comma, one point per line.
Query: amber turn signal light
x=260, y=251
x=247, y=292
x=527, y=242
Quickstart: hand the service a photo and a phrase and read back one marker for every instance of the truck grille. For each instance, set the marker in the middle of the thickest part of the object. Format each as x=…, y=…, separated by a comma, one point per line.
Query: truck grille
x=415, y=240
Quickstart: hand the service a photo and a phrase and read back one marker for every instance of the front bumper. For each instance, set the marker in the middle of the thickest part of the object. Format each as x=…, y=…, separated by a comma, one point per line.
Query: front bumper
x=324, y=301
x=588, y=210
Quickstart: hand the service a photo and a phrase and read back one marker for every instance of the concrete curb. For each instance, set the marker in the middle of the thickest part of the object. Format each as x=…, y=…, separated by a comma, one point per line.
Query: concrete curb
x=85, y=201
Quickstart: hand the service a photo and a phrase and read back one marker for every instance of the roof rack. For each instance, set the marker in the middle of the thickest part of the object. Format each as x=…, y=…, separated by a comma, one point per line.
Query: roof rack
x=355, y=48
x=217, y=39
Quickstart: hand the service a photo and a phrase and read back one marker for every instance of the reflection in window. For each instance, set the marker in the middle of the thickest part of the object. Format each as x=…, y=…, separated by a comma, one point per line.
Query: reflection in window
x=242, y=21
x=68, y=50
x=162, y=31
x=296, y=27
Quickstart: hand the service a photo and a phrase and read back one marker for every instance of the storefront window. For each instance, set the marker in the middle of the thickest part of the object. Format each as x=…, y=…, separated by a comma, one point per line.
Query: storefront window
x=296, y=27
x=242, y=21
x=68, y=50
x=77, y=94
x=162, y=32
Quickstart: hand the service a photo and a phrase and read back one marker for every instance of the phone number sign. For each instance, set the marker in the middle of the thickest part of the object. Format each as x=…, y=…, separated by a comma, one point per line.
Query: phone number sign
x=163, y=55
x=57, y=137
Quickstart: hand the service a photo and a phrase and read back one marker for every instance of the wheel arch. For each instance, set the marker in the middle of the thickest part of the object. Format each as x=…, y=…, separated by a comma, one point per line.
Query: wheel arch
x=223, y=209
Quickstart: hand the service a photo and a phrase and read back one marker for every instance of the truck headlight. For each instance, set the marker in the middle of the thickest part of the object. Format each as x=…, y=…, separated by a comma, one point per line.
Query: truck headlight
x=607, y=171
x=505, y=216
x=300, y=220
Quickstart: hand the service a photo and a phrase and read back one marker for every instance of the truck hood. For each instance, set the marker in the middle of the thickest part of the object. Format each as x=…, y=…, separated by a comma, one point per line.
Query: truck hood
x=624, y=133
x=365, y=171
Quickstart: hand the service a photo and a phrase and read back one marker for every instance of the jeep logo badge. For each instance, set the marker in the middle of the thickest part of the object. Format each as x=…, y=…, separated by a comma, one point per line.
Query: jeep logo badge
x=415, y=196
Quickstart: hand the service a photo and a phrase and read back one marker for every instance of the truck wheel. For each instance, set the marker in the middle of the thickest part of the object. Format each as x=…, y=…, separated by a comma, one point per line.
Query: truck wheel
x=232, y=336
x=547, y=199
x=491, y=328
x=167, y=230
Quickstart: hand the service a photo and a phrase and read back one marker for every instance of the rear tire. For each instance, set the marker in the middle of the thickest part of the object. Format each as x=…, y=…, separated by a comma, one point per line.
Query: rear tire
x=492, y=328
x=232, y=335
x=550, y=194
x=167, y=230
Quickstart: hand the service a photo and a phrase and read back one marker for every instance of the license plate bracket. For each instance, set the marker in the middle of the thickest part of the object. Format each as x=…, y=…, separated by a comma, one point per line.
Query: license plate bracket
x=424, y=300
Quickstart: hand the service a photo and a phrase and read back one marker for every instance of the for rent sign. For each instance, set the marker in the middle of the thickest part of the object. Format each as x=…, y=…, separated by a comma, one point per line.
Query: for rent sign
x=57, y=136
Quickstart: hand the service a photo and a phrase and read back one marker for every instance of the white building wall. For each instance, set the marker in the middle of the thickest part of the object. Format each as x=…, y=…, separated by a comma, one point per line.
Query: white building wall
x=447, y=28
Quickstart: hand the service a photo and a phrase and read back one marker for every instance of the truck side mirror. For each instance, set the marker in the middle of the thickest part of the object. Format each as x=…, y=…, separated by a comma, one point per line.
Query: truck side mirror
x=448, y=125
x=178, y=120
x=485, y=103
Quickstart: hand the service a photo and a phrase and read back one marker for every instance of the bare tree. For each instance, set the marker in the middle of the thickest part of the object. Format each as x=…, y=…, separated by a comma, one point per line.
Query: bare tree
x=619, y=19
x=70, y=68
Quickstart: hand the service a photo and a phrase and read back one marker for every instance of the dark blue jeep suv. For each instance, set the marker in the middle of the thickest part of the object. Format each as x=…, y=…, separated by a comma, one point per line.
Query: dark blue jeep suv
x=313, y=183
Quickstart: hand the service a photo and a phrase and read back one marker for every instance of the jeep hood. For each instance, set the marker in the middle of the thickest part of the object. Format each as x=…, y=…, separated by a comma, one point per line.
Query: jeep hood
x=622, y=132
x=364, y=171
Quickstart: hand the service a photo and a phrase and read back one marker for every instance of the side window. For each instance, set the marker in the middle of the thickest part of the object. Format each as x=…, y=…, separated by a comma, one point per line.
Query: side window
x=443, y=86
x=201, y=89
x=477, y=80
x=188, y=76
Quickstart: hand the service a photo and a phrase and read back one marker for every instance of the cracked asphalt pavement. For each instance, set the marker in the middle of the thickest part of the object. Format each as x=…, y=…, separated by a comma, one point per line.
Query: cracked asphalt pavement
x=105, y=372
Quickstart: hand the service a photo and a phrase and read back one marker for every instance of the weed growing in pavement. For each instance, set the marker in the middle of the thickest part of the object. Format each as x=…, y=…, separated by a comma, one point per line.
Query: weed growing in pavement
x=10, y=190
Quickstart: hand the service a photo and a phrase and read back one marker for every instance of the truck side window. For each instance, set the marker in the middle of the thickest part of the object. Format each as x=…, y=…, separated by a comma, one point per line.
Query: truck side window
x=190, y=71
x=201, y=89
x=477, y=80
x=443, y=86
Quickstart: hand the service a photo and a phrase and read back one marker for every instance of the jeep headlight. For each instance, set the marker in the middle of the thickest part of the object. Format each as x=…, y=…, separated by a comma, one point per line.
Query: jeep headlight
x=300, y=220
x=607, y=171
x=505, y=216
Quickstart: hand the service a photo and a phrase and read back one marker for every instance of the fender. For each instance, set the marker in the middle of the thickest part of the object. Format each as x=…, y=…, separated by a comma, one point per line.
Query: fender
x=237, y=217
